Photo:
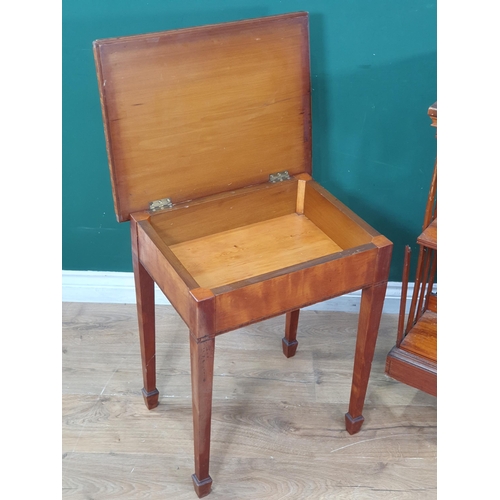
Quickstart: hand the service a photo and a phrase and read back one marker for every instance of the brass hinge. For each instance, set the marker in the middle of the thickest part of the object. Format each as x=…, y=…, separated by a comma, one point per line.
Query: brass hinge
x=160, y=204
x=279, y=176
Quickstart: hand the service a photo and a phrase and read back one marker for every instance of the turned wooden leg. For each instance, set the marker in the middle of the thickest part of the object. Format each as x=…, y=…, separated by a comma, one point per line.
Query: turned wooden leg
x=202, y=373
x=144, y=289
x=372, y=301
x=290, y=339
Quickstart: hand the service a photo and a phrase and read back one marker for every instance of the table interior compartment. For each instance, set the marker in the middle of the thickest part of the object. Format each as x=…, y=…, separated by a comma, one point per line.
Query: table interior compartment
x=239, y=235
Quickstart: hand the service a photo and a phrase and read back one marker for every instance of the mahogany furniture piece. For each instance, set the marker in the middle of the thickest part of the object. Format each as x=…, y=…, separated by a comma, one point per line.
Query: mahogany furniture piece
x=208, y=135
x=413, y=360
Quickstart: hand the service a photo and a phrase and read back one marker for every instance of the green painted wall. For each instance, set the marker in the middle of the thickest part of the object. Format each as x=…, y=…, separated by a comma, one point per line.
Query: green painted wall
x=373, y=71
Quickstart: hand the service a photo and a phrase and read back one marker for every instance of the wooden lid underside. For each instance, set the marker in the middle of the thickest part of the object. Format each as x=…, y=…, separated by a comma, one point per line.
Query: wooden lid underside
x=198, y=111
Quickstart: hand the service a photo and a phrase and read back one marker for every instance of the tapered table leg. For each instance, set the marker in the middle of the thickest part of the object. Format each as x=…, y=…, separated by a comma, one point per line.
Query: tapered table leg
x=372, y=302
x=289, y=341
x=202, y=372
x=144, y=290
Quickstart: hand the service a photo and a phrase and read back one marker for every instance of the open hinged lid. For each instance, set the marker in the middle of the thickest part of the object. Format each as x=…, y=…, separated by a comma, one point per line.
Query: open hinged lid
x=199, y=111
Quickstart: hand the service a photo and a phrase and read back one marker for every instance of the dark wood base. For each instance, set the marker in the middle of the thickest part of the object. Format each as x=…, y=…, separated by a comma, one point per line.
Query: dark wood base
x=353, y=425
x=413, y=370
x=202, y=488
x=289, y=348
x=150, y=398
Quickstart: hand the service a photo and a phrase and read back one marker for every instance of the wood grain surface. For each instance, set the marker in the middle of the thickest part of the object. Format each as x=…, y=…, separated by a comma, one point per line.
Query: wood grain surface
x=422, y=338
x=259, y=248
x=229, y=103
x=225, y=211
x=429, y=236
x=277, y=424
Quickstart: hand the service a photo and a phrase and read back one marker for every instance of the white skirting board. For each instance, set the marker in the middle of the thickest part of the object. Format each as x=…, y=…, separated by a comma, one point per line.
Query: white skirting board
x=118, y=288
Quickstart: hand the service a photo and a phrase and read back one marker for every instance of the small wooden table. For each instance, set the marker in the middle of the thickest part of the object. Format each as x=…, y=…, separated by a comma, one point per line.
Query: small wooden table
x=208, y=133
x=413, y=360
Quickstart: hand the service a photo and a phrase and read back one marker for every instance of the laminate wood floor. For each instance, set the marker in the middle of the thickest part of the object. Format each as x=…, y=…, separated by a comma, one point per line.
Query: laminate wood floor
x=278, y=424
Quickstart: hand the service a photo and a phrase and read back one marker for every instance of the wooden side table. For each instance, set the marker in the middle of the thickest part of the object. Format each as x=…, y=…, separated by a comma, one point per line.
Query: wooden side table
x=413, y=360
x=208, y=132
